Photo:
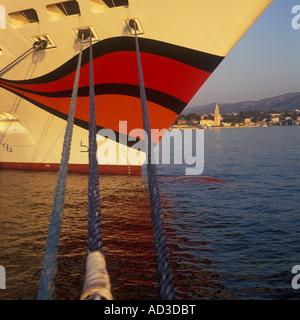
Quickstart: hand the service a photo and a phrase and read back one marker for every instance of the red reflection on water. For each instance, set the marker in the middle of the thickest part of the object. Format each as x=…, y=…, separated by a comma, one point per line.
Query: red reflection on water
x=127, y=242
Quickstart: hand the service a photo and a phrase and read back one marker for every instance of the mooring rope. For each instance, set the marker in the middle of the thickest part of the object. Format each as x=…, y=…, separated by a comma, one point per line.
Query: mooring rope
x=94, y=221
x=164, y=274
x=38, y=45
x=46, y=283
x=97, y=284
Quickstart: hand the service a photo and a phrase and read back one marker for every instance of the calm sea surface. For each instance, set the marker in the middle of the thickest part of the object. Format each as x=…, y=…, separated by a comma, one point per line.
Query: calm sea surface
x=237, y=239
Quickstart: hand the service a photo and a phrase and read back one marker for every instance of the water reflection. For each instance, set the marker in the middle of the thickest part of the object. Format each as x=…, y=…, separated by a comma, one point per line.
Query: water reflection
x=233, y=236
x=127, y=237
x=126, y=230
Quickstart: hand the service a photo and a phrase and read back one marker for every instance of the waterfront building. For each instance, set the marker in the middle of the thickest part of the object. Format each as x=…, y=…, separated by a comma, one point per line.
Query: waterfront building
x=207, y=123
x=275, y=119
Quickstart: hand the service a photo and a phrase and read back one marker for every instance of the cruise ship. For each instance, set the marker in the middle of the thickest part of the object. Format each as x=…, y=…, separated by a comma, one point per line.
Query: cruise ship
x=181, y=43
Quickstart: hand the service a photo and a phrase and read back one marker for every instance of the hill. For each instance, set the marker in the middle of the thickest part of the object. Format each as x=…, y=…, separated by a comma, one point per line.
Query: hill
x=284, y=102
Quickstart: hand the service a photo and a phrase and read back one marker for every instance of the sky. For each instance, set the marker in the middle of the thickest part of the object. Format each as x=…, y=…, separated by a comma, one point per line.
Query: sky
x=264, y=63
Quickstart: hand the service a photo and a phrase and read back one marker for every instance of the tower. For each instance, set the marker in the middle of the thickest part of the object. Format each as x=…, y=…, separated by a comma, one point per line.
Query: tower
x=217, y=116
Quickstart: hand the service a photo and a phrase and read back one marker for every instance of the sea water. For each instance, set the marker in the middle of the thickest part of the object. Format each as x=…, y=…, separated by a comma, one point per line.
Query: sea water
x=232, y=237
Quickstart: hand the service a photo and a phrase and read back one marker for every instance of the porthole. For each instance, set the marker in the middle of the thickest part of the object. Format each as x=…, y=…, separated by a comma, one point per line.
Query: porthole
x=61, y=10
x=22, y=18
x=101, y=5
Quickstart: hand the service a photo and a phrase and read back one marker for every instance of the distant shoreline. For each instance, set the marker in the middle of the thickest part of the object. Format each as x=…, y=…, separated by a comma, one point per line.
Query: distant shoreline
x=244, y=119
x=221, y=128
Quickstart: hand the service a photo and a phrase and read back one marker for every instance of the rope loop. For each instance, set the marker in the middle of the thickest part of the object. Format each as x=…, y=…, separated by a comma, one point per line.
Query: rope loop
x=97, y=283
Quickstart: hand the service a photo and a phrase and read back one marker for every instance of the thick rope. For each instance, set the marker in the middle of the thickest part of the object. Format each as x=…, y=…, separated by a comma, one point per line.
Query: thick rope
x=36, y=46
x=164, y=275
x=15, y=62
x=97, y=283
x=94, y=222
x=46, y=282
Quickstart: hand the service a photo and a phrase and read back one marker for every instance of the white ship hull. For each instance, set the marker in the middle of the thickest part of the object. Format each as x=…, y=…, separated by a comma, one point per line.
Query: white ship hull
x=182, y=42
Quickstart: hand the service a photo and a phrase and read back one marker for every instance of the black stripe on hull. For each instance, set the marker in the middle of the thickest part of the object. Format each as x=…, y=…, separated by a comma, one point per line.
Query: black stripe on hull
x=120, y=137
x=163, y=99
x=200, y=60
